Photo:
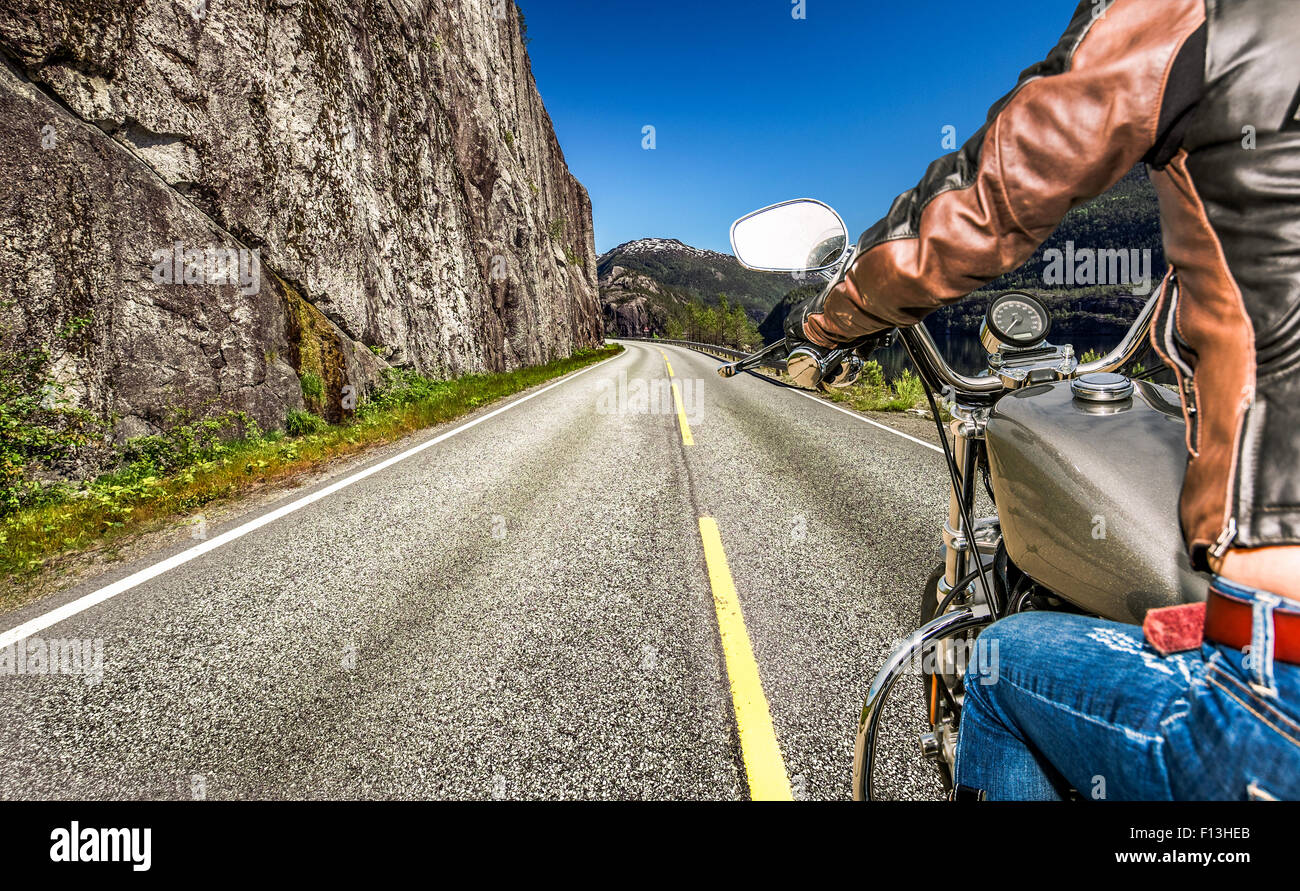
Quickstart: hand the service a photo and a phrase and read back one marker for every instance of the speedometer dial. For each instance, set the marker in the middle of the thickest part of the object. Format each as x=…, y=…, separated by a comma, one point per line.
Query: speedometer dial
x=1019, y=320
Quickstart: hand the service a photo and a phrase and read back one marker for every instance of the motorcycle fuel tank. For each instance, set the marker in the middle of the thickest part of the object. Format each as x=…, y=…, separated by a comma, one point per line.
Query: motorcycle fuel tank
x=1087, y=494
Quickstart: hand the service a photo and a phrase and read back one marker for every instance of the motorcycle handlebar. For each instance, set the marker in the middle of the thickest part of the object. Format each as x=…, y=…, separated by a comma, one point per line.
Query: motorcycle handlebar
x=937, y=372
x=1133, y=343
x=921, y=346
x=940, y=375
x=752, y=361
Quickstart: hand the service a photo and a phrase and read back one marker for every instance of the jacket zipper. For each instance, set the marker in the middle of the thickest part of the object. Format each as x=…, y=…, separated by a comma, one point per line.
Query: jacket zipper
x=1229, y=534
x=1170, y=351
x=1225, y=540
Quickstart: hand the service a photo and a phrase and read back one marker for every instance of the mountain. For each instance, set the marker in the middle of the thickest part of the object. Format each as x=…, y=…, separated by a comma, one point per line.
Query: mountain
x=1125, y=218
x=641, y=281
x=388, y=185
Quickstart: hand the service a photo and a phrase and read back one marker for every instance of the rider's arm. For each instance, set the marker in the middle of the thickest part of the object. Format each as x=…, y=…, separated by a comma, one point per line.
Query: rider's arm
x=1112, y=93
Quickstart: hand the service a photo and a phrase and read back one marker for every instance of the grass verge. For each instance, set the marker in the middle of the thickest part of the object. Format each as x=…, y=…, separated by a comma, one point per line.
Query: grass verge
x=873, y=393
x=149, y=490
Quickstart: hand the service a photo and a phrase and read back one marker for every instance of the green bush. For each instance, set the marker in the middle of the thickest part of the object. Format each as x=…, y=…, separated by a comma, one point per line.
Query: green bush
x=38, y=428
x=185, y=441
x=908, y=391
x=403, y=387
x=873, y=376
x=873, y=393
x=304, y=423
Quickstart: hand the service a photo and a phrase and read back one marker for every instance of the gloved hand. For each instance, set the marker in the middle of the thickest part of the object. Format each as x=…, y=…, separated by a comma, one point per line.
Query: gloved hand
x=812, y=365
x=804, y=361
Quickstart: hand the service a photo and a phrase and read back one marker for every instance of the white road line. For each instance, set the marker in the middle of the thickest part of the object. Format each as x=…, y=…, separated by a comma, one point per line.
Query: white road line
x=852, y=414
x=865, y=420
x=81, y=604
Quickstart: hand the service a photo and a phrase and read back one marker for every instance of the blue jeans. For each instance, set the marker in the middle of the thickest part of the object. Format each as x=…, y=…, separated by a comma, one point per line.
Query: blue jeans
x=1062, y=702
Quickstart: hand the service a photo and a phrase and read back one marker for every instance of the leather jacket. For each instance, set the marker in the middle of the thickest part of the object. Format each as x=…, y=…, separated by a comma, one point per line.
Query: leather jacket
x=1207, y=93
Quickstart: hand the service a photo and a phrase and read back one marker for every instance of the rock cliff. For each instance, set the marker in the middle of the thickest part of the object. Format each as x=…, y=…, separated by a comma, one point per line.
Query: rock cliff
x=207, y=201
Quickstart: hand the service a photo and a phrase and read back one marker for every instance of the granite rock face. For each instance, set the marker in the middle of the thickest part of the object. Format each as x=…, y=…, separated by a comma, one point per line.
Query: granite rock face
x=207, y=201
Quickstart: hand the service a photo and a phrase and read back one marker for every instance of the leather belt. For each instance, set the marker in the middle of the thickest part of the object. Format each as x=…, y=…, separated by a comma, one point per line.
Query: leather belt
x=1230, y=622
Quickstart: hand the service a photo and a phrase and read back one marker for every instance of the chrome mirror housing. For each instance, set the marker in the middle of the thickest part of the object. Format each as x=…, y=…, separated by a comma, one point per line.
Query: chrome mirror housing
x=794, y=236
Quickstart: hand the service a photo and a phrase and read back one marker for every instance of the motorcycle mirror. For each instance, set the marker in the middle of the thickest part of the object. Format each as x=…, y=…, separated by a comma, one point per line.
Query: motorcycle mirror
x=794, y=236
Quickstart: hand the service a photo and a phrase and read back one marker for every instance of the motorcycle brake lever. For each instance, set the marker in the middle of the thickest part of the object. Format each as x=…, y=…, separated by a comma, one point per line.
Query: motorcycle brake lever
x=753, y=360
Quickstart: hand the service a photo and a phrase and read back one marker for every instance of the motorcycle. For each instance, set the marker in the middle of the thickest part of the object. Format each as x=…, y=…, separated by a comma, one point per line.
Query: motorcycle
x=1082, y=463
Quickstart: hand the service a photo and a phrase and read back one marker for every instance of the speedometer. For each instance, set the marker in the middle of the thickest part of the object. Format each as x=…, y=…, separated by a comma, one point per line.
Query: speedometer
x=1018, y=321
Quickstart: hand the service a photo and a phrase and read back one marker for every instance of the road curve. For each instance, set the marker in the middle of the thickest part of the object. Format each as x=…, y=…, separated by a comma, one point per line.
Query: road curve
x=523, y=610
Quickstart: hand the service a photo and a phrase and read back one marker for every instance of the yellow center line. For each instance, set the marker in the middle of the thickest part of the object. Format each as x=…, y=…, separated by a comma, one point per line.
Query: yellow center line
x=687, y=437
x=758, y=746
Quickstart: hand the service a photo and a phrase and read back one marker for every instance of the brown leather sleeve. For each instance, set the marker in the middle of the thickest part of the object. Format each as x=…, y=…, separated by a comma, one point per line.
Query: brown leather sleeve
x=1072, y=127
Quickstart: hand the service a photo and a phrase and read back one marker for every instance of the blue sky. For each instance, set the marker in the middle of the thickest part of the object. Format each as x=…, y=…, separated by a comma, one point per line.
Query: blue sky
x=752, y=106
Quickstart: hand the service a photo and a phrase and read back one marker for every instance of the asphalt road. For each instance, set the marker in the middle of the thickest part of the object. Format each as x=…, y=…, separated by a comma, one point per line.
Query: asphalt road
x=522, y=610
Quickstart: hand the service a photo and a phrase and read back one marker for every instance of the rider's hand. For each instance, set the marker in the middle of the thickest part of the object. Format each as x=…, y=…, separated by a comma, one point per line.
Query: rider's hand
x=806, y=363
x=804, y=359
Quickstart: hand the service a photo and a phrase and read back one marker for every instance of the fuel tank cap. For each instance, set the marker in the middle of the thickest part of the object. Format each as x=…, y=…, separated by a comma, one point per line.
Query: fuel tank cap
x=1102, y=387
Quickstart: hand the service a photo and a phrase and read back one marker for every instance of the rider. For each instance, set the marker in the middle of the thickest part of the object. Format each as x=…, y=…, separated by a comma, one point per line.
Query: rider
x=1206, y=94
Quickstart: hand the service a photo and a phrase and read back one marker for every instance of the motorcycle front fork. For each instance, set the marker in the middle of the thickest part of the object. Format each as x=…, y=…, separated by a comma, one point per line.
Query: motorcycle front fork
x=961, y=548
x=967, y=429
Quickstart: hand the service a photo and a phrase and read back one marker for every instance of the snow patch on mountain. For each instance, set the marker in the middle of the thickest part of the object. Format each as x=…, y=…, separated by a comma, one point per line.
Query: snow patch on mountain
x=645, y=246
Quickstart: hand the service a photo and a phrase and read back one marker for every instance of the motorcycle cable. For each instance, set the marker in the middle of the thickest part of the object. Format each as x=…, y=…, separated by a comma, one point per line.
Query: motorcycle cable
x=940, y=684
x=988, y=480
x=958, y=487
x=1150, y=373
x=952, y=595
x=1135, y=369
x=959, y=588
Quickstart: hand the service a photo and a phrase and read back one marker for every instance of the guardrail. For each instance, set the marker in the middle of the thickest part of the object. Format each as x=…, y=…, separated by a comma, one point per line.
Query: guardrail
x=718, y=352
